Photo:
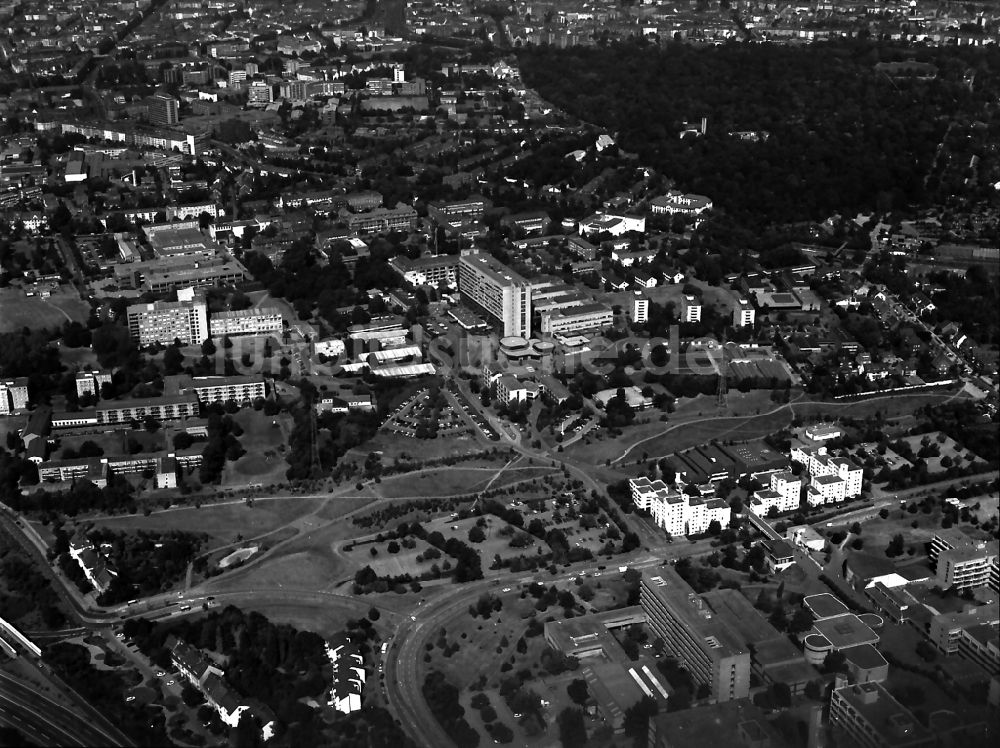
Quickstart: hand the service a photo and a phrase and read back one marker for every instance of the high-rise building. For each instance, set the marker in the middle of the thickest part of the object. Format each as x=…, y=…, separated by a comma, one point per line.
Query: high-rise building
x=165, y=321
x=743, y=314
x=714, y=654
x=163, y=110
x=491, y=287
x=690, y=308
x=640, y=308
x=13, y=395
x=257, y=321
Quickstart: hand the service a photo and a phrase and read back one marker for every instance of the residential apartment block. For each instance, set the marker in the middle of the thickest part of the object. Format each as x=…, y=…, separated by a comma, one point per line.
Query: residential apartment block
x=675, y=512
x=831, y=479
x=677, y=202
x=783, y=494
x=240, y=389
x=489, y=286
x=639, y=311
x=743, y=314
x=165, y=321
x=708, y=648
x=257, y=321
x=13, y=395
x=348, y=674
x=90, y=382
x=690, y=308
x=436, y=270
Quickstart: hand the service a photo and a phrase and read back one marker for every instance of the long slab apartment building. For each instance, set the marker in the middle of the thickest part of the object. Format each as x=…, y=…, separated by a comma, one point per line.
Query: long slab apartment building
x=187, y=320
x=488, y=285
x=183, y=397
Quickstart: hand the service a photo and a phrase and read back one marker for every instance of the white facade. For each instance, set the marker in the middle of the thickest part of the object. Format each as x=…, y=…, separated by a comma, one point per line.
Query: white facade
x=783, y=494
x=164, y=321
x=677, y=202
x=262, y=321
x=690, y=309
x=676, y=513
x=90, y=382
x=498, y=291
x=640, y=308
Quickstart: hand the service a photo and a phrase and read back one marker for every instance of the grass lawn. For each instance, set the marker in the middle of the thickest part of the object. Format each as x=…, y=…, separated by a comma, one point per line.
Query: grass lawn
x=18, y=310
x=395, y=446
x=223, y=521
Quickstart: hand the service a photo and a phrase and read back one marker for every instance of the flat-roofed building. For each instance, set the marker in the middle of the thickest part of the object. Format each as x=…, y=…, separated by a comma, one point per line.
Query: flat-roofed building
x=867, y=715
x=946, y=630
x=594, y=316
x=90, y=382
x=161, y=408
x=165, y=321
x=435, y=270
x=743, y=313
x=712, y=652
x=239, y=389
x=690, y=308
x=731, y=724
x=255, y=321
x=964, y=562
x=491, y=287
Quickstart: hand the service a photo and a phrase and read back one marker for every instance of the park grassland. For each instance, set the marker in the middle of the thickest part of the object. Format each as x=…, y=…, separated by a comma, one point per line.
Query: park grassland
x=18, y=311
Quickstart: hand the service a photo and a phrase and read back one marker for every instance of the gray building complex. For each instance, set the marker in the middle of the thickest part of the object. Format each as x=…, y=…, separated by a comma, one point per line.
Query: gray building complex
x=710, y=649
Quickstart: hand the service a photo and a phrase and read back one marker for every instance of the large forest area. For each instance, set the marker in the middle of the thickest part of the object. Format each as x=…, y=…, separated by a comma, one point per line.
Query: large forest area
x=844, y=136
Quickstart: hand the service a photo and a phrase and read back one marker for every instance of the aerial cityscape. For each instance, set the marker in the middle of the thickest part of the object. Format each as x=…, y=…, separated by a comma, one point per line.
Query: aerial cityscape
x=455, y=373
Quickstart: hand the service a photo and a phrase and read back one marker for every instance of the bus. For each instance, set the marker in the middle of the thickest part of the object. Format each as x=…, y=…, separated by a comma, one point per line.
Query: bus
x=185, y=608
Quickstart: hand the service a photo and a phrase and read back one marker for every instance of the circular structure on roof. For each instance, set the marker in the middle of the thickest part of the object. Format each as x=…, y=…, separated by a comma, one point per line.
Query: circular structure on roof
x=543, y=346
x=817, y=647
x=872, y=620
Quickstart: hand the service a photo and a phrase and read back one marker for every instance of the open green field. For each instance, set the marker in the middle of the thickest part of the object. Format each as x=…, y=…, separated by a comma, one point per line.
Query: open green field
x=442, y=481
x=225, y=521
x=18, y=310
x=890, y=406
x=390, y=564
x=395, y=446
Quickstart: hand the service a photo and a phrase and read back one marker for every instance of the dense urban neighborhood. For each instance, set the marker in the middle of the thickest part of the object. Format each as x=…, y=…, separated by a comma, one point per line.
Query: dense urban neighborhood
x=594, y=373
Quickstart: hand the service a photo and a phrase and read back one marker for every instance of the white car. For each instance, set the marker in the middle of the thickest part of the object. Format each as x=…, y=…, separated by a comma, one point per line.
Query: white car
x=506, y=589
x=160, y=673
x=130, y=698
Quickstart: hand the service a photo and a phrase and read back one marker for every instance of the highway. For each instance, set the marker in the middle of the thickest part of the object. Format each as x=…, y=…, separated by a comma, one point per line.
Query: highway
x=48, y=721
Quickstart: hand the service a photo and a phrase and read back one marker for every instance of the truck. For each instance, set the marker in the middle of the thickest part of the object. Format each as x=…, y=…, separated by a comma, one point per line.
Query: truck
x=622, y=569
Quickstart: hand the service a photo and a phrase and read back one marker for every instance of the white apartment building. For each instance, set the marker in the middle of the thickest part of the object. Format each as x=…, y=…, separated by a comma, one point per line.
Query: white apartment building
x=492, y=287
x=640, y=308
x=783, y=494
x=676, y=513
x=690, y=308
x=832, y=479
x=826, y=489
x=164, y=321
x=260, y=321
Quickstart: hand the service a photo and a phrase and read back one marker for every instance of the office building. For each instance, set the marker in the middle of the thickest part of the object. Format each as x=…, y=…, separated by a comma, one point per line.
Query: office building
x=260, y=93
x=258, y=321
x=13, y=395
x=401, y=218
x=165, y=321
x=705, y=645
x=866, y=715
x=639, y=312
x=964, y=562
x=163, y=110
x=743, y=314
x=488, y=285
x=731, y=724
x=947, y=630
x=690, y=308
x=435, y=270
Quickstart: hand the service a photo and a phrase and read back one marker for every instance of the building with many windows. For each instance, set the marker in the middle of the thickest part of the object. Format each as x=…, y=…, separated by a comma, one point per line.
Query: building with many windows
x=743, y=314
x=572, y=319
x=435, y=270
x=13, y=395
x=90, y=382
x=489, y=286
x=690, y=308
x=964, y=562
x=165, y=321
x=703, y=643
x=783, y=494
x=257, y=321
x=639, y=312
x=163, y=110
x=217, y=389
